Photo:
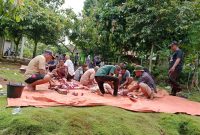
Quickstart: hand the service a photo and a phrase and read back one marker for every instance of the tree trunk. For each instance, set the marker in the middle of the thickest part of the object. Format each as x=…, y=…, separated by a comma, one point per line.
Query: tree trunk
x=16, y=49
x=150, y=58
x=120, y=55
x=22, y=48
x=17, y=46
x=119, y=59
x=73, y=51
x=35, y=49
x=197, y=70
x=67, y=48
x=157, y=59
x=1, y=46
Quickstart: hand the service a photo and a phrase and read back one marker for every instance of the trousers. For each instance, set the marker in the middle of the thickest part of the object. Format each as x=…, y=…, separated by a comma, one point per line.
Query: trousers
x=174, y=82
x=102, y=79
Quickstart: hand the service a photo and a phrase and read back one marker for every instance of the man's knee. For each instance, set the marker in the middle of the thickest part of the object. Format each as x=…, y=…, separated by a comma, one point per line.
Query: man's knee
x=145, y=88
x=143, y=85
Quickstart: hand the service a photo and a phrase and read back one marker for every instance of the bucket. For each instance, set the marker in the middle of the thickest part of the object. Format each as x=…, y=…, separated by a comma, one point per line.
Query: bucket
x=14, y=90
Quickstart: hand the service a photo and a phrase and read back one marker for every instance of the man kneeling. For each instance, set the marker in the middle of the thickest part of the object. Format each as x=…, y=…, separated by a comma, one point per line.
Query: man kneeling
x=145, y=83
x=36, y=71
x=88, y=77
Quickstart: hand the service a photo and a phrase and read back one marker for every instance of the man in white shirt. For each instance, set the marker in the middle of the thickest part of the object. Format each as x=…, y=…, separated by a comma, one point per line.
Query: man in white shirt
x=70, y=68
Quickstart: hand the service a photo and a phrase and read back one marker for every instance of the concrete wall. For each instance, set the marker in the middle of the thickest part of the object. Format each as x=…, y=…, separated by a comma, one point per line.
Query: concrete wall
x=7, y=44
x=1, y=46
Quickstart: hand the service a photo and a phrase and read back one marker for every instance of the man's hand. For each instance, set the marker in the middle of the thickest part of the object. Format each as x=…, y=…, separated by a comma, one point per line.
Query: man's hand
x=111, y=74
x=171, y=70
x=50, y=74
x=174, y=66
x=121, y=86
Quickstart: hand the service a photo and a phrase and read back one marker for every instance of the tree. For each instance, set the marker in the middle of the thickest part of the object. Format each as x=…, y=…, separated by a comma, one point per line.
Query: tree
x=15, y=31
x=137, y=26
x=8, y=10
x=193, y=47
x=43, y=25
x=36, y=19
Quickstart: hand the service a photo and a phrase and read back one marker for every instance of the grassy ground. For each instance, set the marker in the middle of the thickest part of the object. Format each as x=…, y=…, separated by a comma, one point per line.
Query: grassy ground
x=10, y=73
x=94, y=120
x=91, y=120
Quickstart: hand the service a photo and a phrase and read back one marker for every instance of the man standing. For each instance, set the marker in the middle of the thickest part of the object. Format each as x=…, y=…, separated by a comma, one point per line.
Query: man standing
x=97, y=61
x=70, y=68
x=76, y=60
x=36, y=71
x=175, y=67
x=88, y=62
x=105, y=74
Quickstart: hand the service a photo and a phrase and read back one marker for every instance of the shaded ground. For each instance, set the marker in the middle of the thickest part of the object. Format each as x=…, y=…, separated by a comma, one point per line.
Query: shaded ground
x=89, y=120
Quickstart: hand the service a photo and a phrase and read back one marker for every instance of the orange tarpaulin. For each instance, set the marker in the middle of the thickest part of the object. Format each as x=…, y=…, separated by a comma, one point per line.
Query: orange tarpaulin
x=46, y=98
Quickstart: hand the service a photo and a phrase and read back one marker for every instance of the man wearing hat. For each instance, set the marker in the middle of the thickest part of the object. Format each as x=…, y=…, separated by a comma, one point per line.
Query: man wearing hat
x=145, y=83
x=36, y=71
x=175, y=67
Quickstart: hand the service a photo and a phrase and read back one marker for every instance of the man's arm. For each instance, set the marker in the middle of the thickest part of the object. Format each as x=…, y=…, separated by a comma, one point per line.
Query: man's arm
x=122, y=85
x=112, y=71
x=42, y=71
x=175, y=64
x=178, y=59
x=42, y=66
x=134, y=87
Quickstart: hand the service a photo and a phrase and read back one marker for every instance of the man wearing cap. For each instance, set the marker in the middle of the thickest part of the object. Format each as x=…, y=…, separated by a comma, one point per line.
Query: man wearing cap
x=106, y=74
x=175, y=67
x=36, y=71
x=145, y=83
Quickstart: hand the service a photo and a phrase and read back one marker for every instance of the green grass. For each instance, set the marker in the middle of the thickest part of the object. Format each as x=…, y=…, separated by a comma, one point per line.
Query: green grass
x=10, y=65
x=12, y=75
x=194, y=95
x=102, y=120
x=93, y=121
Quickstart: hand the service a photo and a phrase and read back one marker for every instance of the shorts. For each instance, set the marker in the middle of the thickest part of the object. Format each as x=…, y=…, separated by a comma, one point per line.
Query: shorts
x=34, y=78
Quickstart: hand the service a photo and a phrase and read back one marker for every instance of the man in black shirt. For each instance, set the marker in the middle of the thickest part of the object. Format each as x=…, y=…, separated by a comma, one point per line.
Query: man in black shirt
x=175, y=67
